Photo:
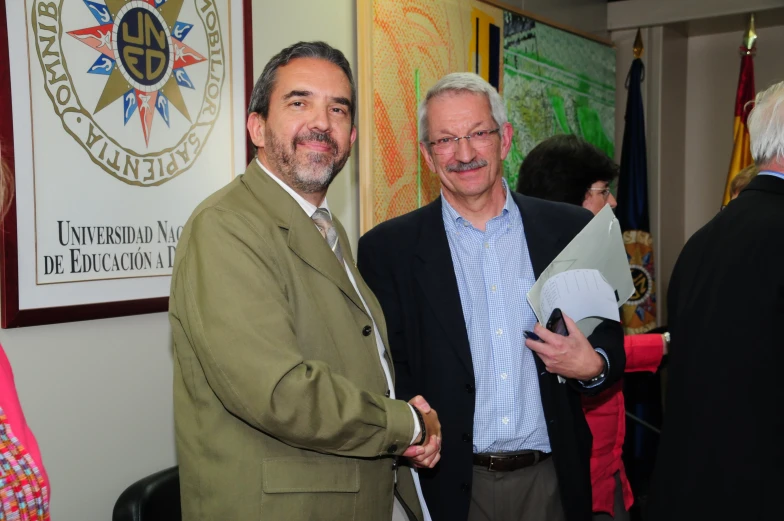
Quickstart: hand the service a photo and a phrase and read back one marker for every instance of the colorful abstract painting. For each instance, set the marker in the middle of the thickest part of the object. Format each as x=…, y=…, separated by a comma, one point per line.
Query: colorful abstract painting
x=553, y=82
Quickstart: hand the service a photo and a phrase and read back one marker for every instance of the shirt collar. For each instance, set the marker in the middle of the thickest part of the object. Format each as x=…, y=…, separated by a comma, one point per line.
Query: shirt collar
x=454, y=218
x=780, y=175
x=308, y=207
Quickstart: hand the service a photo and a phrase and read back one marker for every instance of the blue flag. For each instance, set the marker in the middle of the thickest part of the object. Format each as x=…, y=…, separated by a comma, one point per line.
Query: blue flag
x=639, y=312
x=642, y=391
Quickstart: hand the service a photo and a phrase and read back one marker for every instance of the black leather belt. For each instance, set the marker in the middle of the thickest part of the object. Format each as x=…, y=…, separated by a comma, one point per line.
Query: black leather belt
x=511, y=462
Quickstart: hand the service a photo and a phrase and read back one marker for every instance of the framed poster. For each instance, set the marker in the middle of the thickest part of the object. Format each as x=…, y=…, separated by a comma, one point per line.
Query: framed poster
x=119, y=117
x=553, y=79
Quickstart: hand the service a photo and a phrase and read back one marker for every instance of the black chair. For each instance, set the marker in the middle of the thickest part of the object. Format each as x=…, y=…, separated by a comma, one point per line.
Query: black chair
x=153, y=498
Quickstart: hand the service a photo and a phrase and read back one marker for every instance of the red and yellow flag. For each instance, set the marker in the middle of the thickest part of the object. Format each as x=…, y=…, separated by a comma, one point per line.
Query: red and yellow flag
x=741, y=152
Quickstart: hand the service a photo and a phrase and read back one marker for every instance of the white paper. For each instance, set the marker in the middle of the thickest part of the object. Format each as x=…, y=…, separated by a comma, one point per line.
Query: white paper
x=599, y=246
x=579, y=294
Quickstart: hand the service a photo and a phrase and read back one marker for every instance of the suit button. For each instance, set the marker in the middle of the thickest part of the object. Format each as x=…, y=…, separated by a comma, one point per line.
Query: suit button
x=467, y=437
x=465, y=487
x=470, y=388
x=367, y=330
x=392, y=449
x=387, y=394
x=394, y=464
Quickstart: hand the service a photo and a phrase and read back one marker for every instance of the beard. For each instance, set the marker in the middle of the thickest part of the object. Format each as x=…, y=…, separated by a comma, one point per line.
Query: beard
x=309, y=172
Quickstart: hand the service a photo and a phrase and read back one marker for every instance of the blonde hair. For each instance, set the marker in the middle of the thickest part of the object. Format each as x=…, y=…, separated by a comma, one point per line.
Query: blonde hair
x=742, y=180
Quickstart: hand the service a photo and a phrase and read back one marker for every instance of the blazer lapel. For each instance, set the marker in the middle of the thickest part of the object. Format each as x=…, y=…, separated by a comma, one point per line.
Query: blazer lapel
x=376, y=313
x=304, y=238
x=434, y=272
x=540, y=238
x=542, y=241
x=308, y=244
x=373, y=306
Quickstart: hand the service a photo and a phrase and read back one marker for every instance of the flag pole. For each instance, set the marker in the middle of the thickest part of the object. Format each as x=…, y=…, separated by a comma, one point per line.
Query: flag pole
x=741, y=153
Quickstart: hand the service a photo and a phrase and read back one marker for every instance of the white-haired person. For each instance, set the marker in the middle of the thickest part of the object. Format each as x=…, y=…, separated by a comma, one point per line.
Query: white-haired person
x=721, y=453
x=452, y=278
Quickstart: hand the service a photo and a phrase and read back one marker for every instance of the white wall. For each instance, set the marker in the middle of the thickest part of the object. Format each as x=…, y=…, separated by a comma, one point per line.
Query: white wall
x=630, y=14
x=98, y=397
x=587, y=15
x=712, y=81
x=98, y=394
x=669, y=154
x=279, y=24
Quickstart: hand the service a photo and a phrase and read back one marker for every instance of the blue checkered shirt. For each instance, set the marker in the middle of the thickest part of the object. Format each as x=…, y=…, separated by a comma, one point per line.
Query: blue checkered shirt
x=494, y=274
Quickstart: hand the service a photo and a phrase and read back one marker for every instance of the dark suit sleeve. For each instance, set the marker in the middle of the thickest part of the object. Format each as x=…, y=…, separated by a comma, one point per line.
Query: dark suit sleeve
x=608, y=336
x=373, y=265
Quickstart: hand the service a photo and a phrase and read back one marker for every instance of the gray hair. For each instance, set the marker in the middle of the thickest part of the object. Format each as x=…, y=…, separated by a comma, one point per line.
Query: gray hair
x=766, y=125
x=462, y=82
x=262, y=91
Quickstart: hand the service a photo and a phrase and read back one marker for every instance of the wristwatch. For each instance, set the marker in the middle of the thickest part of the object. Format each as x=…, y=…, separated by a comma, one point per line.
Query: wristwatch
x=601, y=375
x=421, y=426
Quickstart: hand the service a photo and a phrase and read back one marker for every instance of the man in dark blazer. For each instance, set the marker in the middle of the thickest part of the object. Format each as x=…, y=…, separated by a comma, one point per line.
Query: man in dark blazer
x=452, y=279
x=722, y=452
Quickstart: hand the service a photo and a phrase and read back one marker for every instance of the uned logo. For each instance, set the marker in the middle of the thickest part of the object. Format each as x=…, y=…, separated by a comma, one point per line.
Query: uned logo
x=144, y=48
x=143, y=63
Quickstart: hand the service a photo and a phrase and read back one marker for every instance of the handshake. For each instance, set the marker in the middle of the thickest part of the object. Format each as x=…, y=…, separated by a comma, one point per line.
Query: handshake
x=425, y=453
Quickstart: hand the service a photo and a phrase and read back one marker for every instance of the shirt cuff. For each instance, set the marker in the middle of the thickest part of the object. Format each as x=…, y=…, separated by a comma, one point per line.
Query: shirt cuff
x=600, y=381
x=417, y=428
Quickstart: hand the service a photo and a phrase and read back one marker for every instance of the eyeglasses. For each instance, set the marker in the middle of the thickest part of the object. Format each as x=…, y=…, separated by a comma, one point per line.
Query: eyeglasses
x=479, y=139
x=605, y=192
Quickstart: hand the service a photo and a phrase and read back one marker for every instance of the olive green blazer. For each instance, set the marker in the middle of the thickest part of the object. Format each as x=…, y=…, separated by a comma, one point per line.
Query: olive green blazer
x=279, y=394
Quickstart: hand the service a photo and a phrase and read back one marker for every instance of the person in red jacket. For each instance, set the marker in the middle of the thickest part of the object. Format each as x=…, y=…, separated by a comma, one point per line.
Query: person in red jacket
x=568, y=169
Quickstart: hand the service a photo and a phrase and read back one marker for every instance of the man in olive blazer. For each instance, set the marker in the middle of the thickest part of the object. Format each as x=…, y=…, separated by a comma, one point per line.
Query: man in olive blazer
x=283, y=374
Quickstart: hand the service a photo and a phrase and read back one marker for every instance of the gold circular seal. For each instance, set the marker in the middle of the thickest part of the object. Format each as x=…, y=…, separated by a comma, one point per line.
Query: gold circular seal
x=144, y=60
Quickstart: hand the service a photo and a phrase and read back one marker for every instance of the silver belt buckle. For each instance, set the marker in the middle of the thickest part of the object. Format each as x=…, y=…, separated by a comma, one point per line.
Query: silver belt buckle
x=493, y=458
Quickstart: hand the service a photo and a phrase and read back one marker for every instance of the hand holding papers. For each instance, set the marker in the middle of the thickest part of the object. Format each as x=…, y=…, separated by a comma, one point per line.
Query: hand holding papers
x=570, y=356
x=589, y=279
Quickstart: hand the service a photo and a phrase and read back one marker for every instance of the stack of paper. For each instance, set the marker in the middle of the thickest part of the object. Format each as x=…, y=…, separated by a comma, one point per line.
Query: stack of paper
x=590, y=279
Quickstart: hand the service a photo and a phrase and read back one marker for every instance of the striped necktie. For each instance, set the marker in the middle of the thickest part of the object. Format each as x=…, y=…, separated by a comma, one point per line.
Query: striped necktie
x=324, y=223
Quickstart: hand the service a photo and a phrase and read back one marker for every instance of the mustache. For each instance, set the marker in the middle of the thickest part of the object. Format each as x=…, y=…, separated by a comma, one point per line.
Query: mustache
x=462, y=167
x=320, y=137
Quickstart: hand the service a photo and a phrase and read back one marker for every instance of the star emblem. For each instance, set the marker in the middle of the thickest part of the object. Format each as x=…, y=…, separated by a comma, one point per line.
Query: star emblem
x=143, y=54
